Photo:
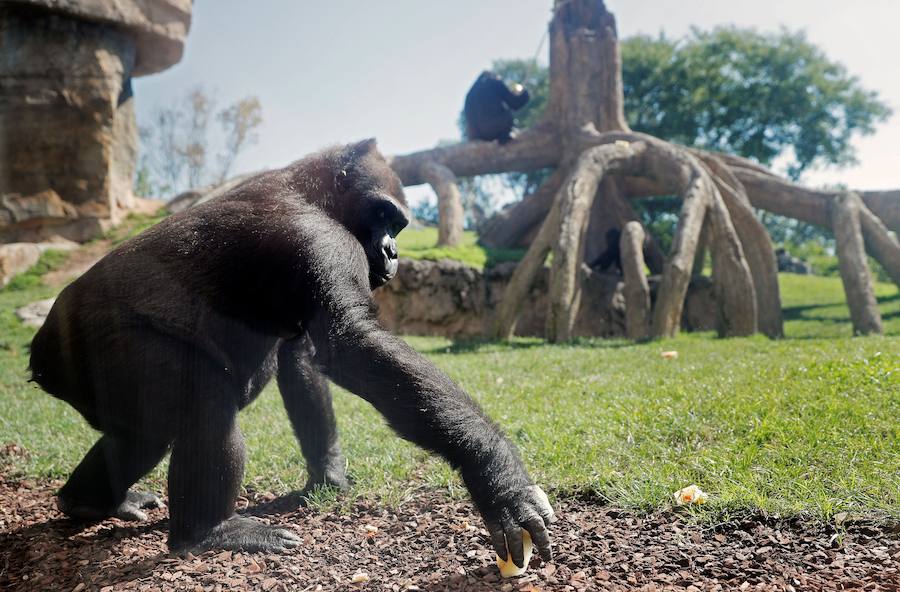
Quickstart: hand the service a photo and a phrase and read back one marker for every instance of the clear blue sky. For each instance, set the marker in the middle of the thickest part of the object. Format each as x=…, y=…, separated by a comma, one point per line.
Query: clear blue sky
x=340, y=70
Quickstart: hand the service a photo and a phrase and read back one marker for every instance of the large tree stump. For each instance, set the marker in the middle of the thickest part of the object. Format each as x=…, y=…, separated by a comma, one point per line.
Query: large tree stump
x=853, y=265
x=637, y=289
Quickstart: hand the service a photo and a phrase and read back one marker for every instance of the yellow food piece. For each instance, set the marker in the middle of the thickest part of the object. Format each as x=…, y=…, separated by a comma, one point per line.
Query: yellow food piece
x=508, y=569
x=690, y=495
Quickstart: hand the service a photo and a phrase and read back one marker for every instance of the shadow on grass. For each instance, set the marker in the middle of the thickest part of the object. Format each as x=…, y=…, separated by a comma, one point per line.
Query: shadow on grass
x=474, y=345
x=801, y=312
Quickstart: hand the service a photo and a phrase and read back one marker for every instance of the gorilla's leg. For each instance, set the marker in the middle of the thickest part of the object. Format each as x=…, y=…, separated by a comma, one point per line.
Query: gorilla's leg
x=98, y=487
x=307, y=399
x=205, y=474
x=499, y=126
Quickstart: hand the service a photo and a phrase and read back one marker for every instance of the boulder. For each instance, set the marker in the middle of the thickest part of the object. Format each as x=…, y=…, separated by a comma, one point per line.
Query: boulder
x=35, y=314
x=69, y=133
x=16, y=258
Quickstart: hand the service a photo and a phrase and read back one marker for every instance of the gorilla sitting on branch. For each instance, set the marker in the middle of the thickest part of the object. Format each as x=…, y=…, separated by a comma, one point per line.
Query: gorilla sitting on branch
x=163, y=341
x=489, y=106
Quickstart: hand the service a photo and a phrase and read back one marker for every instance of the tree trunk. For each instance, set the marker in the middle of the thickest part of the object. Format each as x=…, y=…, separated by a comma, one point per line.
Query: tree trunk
x=585, y=69
x=853, y=265
x=450, y=210
x=637, y=290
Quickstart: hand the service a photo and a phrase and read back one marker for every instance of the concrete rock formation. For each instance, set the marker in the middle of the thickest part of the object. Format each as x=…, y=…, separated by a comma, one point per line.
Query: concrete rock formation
x=452, y=299
x=68, y=137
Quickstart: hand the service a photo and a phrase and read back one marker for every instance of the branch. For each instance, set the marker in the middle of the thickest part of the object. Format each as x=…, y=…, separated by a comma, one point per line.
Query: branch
x=637, y=290
x=757, y=244
x=533, y=149
x=853, y=265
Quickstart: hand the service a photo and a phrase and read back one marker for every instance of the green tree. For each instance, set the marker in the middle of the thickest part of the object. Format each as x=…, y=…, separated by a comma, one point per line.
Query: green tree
x=761, y=96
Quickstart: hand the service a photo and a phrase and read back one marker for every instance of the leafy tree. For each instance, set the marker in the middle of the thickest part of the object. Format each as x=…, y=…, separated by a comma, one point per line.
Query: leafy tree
x=758, y=95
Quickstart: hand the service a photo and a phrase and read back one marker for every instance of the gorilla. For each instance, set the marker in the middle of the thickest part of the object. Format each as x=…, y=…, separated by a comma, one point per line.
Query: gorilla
x=164, y=340
x=611, y=258
x=489, y=106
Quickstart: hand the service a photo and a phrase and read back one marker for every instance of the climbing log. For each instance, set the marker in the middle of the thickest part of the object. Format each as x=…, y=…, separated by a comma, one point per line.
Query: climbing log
x=450, y=210
x=637, y=290
x=853, y=264
x=576, y=197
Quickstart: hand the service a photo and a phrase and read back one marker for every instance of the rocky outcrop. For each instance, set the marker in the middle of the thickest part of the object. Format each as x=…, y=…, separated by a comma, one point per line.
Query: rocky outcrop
x=452, y=299
x=67, y=128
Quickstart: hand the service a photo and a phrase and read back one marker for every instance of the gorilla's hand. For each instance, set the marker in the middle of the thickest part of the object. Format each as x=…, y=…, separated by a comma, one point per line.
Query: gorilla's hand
x=508, y=513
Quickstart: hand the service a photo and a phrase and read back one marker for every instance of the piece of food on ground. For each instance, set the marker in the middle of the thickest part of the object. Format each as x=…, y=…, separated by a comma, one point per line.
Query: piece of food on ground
x=690, y=495
x=508, y=569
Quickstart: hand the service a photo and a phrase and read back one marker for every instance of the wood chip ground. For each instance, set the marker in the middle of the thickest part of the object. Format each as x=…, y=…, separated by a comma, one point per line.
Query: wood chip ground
x=435, y=543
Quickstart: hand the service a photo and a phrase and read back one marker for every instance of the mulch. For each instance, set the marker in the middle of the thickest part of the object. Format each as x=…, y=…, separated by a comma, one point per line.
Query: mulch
x=432, y=542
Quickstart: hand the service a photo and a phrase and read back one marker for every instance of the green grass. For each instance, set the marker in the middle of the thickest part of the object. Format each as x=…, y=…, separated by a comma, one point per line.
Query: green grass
x=420, y=244
x=808, y=424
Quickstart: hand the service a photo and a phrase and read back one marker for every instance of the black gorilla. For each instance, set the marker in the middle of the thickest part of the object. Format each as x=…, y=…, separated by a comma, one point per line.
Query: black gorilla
x=489, y=106
x=163, y=341
x=611, y=258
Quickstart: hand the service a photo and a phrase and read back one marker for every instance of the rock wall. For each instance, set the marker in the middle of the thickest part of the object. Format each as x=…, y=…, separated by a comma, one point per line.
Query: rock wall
x=68, y=136
x=452, y=299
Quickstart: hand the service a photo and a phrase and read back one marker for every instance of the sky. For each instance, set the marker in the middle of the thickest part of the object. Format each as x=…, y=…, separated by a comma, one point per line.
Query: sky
x=336, y=71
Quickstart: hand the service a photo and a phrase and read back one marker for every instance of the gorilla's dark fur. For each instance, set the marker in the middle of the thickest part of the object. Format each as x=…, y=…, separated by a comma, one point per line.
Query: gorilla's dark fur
x=163, y=341
x=611, y=258
x=489, y=106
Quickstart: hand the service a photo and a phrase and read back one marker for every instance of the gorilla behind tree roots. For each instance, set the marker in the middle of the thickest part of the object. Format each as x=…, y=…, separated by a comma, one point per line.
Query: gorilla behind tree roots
x=489, y=106
x=163, y=341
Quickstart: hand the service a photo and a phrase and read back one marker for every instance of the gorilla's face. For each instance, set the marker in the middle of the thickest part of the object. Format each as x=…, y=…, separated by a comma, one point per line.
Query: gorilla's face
x=388, y=219
x=376, y=209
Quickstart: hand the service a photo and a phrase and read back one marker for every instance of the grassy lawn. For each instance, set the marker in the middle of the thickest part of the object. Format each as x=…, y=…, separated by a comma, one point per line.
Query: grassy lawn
x=807, y=424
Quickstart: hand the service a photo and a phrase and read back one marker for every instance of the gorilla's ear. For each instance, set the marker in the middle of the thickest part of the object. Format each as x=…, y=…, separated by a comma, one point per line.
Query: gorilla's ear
x=361, y=149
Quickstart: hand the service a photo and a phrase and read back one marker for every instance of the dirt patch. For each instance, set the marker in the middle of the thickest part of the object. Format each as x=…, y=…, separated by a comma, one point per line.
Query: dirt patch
x=434, y=543
x=78, y=262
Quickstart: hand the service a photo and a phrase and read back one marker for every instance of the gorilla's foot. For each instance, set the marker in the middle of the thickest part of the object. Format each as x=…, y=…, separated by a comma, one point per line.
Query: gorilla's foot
x=240, y=533
x=130, y=509
x=134, y=504
x=332, y=474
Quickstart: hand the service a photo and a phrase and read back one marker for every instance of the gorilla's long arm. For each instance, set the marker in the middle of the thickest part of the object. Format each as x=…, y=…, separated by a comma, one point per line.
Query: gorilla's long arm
x=424, y=406
x=515, y=101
